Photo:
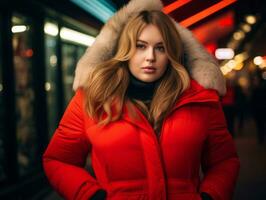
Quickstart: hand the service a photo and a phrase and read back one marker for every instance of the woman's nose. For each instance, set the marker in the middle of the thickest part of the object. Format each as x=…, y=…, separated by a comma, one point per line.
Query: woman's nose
x=150, y=56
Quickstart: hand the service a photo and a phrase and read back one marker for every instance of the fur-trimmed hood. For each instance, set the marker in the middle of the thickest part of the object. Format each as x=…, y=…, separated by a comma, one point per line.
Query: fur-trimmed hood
x=200, y=64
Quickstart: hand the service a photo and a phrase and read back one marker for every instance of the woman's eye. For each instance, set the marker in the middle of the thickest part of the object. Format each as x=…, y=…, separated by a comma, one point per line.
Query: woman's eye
x=140, y=46
x=160, y=48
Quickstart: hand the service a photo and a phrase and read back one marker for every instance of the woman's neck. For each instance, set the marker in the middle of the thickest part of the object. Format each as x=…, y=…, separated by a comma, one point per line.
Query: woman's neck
x=140, y=90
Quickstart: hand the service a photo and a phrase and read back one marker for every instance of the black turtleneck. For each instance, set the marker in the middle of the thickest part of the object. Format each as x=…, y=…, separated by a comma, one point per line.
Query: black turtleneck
x=141, y=90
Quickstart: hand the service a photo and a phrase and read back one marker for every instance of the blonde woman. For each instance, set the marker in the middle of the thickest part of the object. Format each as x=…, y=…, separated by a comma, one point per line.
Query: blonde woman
x=146, y=123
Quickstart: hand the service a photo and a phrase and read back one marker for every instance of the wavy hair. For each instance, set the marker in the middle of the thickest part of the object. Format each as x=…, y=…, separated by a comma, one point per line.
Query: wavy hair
x=108, y=82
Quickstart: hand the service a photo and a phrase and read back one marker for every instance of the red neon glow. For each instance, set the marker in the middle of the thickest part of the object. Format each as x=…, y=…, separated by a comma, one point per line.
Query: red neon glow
x=211, y=47
x=228, y=21
x=214, y=29
x=173, y=6
x=205, y=13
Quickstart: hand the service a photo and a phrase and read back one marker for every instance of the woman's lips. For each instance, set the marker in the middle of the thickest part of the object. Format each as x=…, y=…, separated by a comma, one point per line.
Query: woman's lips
x=149, y=69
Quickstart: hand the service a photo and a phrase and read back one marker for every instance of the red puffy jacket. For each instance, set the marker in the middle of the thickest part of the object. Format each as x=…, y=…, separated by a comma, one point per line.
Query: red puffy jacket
x=130, y=162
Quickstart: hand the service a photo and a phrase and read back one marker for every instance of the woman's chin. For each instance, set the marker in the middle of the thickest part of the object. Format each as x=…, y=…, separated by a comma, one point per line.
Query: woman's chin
x=148, y=79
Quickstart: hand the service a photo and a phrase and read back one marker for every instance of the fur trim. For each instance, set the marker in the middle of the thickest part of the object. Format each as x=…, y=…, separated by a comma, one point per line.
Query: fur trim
x=103, y=47
x=200, y=64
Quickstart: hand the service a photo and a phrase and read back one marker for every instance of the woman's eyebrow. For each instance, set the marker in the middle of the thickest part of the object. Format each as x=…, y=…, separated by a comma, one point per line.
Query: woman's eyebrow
x=147, y=42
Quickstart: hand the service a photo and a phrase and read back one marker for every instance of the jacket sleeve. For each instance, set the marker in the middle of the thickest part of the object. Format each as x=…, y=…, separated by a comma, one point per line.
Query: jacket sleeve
x=220, y=162
x=65, y=156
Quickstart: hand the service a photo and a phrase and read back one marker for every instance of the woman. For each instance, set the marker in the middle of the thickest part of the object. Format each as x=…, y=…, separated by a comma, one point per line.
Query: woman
x=147, y=125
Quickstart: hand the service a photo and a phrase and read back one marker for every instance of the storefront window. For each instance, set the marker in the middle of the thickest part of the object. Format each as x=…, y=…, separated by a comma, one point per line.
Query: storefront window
x=73, y=46
x=24, y=93
x=70, y=55
x=51, y=86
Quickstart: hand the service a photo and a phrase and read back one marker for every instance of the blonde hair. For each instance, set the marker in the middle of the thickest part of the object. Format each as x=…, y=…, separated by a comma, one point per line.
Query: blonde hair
x=108, y=82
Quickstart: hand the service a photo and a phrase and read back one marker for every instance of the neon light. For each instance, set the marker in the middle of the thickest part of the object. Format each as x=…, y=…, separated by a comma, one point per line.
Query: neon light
x=224, y=53
x=205, y=13
x=51, y=29
x=173, y=6
x=74, y=36
x=18, y=28
x=101, y=9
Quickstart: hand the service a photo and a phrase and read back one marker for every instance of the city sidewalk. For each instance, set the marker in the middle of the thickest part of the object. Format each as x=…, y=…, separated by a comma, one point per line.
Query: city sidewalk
x=251, y=184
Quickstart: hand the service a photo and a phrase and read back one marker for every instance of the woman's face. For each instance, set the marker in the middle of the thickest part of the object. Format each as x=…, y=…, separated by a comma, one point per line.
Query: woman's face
x=150, y=60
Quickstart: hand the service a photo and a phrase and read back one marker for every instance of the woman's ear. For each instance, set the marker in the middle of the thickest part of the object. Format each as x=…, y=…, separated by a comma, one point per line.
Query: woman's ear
x=104, y=46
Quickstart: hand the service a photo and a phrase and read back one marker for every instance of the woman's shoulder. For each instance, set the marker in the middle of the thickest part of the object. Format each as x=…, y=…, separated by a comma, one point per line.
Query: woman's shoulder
x=195, y=86
x=195, y=91
x=80, y=102
x=79, y=95
x=78, y=98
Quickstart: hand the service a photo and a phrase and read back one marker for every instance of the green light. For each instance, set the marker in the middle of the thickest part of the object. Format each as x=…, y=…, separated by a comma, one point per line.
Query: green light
x=101, y=9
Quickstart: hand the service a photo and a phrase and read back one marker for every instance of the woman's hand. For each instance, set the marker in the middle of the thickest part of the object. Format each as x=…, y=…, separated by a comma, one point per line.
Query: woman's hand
x=205, y=196
x=99, y=195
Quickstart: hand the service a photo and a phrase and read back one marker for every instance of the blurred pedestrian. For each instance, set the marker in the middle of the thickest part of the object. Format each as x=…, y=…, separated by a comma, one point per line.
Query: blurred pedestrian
x=258, y=106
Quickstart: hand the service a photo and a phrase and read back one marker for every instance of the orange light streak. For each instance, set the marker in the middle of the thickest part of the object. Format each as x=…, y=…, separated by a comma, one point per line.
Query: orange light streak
x=205, y=13
x=173, y=6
